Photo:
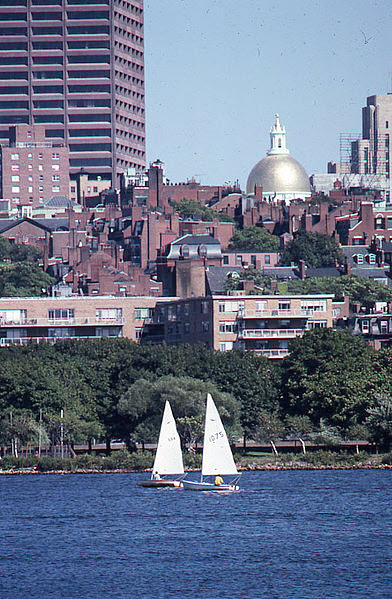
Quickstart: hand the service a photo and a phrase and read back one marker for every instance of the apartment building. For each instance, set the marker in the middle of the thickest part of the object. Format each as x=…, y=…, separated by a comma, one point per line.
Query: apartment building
x=33, y=169
x=77, y=67
x=262, y=324
x=32, y=319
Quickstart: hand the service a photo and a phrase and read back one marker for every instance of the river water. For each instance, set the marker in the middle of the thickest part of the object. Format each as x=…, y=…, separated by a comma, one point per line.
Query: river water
x=292, y=534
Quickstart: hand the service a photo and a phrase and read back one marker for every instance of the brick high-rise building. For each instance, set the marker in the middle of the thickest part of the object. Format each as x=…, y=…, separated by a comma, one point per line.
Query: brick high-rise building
x=77, y=67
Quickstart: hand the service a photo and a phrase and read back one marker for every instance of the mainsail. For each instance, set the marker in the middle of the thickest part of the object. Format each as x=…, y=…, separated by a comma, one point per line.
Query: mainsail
x=217, y=455
x=168, y=457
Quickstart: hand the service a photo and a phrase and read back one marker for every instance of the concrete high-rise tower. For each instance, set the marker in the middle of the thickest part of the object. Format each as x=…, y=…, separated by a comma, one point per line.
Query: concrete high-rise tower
x=76, y=67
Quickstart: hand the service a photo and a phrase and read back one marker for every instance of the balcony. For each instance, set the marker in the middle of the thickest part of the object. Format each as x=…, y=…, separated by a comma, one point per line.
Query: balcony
x=278, y=313
x=4, y=342
x=60, y=322
x=268, y=333
x=272, y=353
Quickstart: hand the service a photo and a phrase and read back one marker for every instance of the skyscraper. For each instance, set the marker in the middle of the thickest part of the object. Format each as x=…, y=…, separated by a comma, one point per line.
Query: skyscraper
x=77, y=67
x=370, y=155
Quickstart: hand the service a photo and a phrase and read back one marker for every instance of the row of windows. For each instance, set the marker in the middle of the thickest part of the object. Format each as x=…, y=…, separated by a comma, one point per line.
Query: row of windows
x=90, y=147
x=54, y=89
x=55, y=16
x=127, y=49
x=128, y=35
x=76, y=162
x=16, y=156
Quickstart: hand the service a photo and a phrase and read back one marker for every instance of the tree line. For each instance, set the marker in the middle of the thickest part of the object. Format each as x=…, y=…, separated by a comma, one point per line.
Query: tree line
x=331, y=387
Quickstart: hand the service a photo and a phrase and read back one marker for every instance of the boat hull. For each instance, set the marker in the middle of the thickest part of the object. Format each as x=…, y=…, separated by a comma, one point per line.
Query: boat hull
x=159, y=484
x=190, y=485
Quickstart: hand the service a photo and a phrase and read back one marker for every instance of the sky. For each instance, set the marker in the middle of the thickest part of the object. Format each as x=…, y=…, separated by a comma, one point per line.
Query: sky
x=217, y=72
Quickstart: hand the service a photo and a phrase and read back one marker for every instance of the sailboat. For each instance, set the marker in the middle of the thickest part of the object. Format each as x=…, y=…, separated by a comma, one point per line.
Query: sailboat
x=168, y=456
x=217, y=455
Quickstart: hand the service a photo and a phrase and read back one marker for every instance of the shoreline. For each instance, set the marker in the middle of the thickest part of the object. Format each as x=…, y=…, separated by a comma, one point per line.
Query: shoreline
x=250, y=468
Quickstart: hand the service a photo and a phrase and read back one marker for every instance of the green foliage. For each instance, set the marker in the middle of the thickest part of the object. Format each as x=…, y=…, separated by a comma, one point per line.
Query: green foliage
x=23, y=279
x=314, y=249
x=359, y=289
x=328, y=375
x=254, y=238
x=17, y=252
x=142, y=405
x=262, y=283
x=197, y=211
x=379, y=421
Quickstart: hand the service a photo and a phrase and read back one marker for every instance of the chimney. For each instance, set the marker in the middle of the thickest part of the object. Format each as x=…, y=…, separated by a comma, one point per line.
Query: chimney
x=347, y=267
x=302, y=269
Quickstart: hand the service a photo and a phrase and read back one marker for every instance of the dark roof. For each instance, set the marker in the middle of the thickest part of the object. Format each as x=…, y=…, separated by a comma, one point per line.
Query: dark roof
x=217, y=276
x=196, y=240
x=326, y=271
x=60, y=202
x=50, y=224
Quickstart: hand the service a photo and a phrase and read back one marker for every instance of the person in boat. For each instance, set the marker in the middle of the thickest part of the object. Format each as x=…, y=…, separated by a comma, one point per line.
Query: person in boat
x=219, y=480
x=156, y=476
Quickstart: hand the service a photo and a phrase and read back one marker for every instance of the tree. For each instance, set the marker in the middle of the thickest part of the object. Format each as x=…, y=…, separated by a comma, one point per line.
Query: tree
x=141, y=408
x=262, y=282
x=379, y=421
x=254, y=238
x=18, y=252
x=299, y=427
x=24, y=279
x=269, y=427
x=329, y=375
x=314, y=249
x=195, y=210
x=250, y=379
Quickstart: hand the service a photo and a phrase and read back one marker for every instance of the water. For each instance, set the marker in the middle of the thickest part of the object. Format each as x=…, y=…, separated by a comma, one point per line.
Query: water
x=302, y=535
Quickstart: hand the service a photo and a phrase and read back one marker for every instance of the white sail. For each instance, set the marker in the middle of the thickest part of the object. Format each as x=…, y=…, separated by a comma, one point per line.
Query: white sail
x=217, y=456
x=168, y=457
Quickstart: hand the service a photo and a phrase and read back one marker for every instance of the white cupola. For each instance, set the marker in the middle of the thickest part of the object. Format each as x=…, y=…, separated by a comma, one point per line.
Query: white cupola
x=278, y=139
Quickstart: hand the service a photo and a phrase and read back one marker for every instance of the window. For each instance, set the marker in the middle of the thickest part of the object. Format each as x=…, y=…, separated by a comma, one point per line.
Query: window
x=238, y=260
x=204, y=307
x=140, y=313
x=138, y=333
x=227, y=326
x=30, y=167
x=14, y=156
x=225, y=259
x=267, y=259
x=184, y=251
x=226, y=346
x=261, y=306
x=317, y=324
x=61, y=332
x=18, y=316
x=15, y=189
x=359, y=258
x=372, y=259
x=231, y=306
x=40, y=167
x=205, y=325
x=383, y=327
x=55, y=188
x=313, y=306
x=55, y=177
x=61, y=314
x=365, y=326
x=284, y=306
x=55, y=167
x=15, y=178
x=15, y=167
x=108, y=313
x=55, y=156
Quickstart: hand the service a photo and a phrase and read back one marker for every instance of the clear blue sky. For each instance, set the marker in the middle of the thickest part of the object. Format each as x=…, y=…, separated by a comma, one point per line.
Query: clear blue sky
x=218, y=70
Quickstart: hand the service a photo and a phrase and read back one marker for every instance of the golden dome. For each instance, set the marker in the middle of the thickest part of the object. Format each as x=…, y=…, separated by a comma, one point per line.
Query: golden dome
x=279, y=173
